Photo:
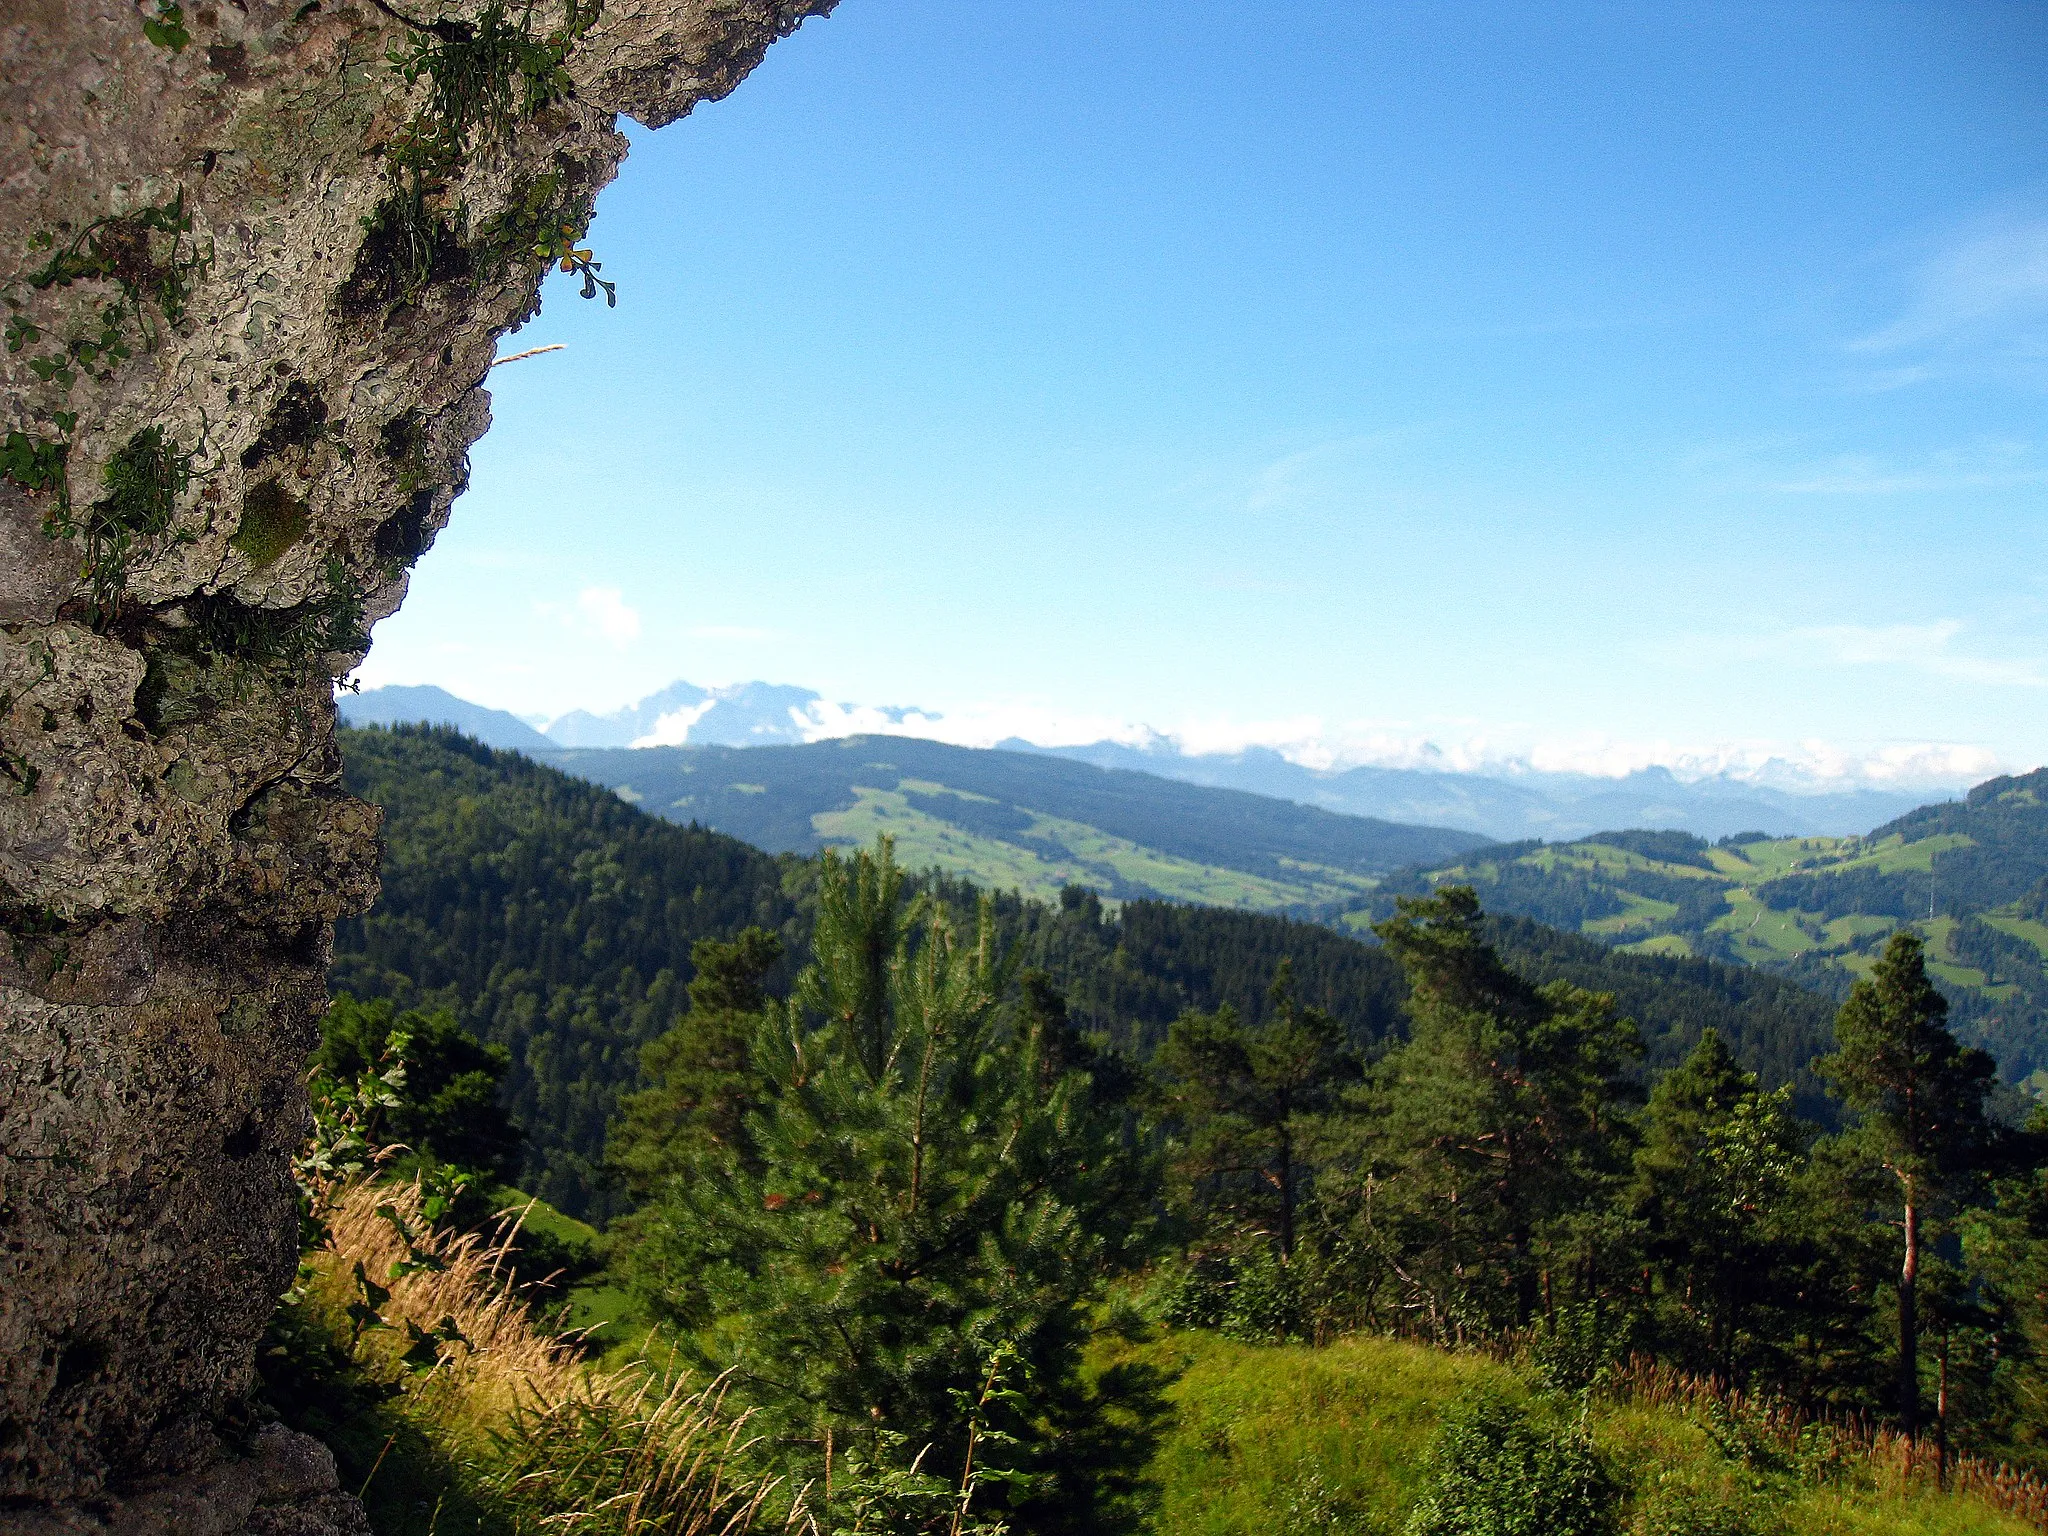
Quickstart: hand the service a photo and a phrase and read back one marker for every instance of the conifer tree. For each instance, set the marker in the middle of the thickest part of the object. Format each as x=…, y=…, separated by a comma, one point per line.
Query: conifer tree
x=698, y=1073
x=1717, y=1164
x=1919, y=1099
x=1504, y=1112
x=918, y=1211
x=1248, y=1099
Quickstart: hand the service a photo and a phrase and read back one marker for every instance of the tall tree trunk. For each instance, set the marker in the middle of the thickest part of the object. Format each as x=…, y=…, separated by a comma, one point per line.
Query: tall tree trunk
x=1941, y=1413
x=1286, y=1194
x=1909, y=1322
x=1525, y=1278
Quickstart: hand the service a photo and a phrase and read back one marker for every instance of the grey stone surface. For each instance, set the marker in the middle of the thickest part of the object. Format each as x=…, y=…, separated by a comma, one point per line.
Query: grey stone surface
x=282, y=1484
x=174, y=840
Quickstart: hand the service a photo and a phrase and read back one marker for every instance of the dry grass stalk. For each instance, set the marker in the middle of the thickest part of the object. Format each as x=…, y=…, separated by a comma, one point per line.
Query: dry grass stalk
x=504, y=1356
x=570, y=1449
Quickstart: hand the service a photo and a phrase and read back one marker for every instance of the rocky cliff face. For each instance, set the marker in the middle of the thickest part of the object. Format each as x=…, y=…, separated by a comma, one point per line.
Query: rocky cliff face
x=255, y=256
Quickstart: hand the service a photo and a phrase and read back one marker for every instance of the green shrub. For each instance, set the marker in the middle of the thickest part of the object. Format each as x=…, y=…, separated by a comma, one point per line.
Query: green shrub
x=1264, y=1306
x=1578, y=1348
x=1199, y=1296
x=1496, y=1472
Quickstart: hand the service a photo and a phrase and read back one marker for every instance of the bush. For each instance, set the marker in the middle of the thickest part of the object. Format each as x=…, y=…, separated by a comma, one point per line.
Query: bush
x=1198, y=1297
x=1265, y=1304
x=1253, y=1297
x=1497, y=1473
x=1576, y=1350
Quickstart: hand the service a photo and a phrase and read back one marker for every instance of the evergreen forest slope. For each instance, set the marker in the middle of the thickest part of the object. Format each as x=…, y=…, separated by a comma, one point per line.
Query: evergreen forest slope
x=556, y=920
x=549, y=916
x=1970, y=875
x=1023, y=821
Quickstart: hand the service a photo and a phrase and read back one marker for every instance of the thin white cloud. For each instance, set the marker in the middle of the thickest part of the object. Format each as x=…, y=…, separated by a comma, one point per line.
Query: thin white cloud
x=1988, y=279
x=1987, y=465
x=1310, y=473
x=1929, y=649
x=1926, y=648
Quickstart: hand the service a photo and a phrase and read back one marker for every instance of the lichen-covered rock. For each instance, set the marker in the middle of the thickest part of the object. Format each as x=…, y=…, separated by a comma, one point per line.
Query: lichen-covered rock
x=280, y=1484
x=250, y=300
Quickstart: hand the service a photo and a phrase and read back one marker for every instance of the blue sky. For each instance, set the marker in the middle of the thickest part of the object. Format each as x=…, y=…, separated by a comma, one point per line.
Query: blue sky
x=1587, y=384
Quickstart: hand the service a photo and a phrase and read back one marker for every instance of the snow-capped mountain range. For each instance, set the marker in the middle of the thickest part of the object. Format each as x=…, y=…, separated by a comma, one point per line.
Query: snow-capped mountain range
x=1511, y=804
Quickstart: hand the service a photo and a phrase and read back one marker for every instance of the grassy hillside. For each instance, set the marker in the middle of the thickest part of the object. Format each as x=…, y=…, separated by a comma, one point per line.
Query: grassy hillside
x=1022, y=821
x=515, y=1431
x=1282, y=1439
x=1970, y=875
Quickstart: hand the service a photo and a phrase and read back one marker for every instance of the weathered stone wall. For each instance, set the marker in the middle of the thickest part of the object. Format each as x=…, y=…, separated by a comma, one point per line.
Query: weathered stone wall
x=174, y=843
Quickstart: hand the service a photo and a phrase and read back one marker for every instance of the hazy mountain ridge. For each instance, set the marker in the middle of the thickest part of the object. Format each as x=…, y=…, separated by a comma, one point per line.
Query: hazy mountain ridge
x=1503, y=806
x=425, y=704
x=1553, y=806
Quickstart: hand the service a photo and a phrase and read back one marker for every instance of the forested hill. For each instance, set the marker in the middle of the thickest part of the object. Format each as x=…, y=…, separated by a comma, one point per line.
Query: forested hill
x=1970, y=875
x=557, y=920
x=550, y=916
x=1023, y=820
x=1992, y=850
x=1133, y=974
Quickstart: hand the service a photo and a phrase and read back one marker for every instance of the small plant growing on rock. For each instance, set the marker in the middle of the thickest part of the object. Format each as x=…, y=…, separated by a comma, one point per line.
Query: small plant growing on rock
x=483, y=78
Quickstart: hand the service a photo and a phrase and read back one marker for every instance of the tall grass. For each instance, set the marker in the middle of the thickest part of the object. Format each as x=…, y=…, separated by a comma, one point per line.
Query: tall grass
x=527, y=1437
x=1891, y=1462
x=1283, y=1440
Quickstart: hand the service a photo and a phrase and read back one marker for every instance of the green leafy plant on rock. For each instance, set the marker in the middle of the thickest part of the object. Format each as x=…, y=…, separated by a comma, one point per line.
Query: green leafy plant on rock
x=122, y=249
x=167, y=28
x=144, y=480
x=155, y=264
x=483, y=78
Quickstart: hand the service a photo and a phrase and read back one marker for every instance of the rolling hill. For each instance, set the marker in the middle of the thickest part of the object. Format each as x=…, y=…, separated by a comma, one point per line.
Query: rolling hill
x=1023, y=821
x=1970, y=875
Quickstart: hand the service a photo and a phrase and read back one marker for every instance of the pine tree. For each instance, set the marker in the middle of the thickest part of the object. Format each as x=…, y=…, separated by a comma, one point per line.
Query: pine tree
x=699, y=1073
x=1919, y=1099
x=1505, y=1112
x=919, y=1210
x=1248, y=1099
x=1716, y=1167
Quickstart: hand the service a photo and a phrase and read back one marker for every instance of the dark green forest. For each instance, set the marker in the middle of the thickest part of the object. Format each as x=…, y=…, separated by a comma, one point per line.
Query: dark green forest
x=550, y=918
